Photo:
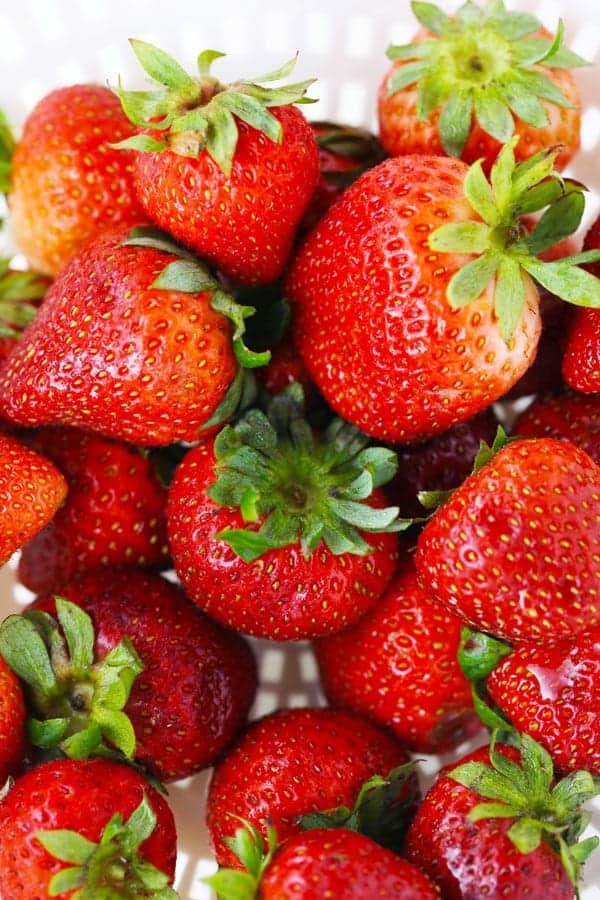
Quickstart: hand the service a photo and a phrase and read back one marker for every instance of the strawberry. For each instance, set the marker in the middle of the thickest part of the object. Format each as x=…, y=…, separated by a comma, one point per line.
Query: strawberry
x=514, y=550
x=13, y=736
x=31, y=490
x=397, y=666
x=467, y=82
x=126, y=346
x=581, y=362
x=524, y=833
x=413, y=299
x=284, y=368
x=228, y=170
x=194, y=681
x=67, y=183
x=91, y=826
x=570, y=417
x=281, y=534
x=294, y=762
x=115, y=511
x=20, y=296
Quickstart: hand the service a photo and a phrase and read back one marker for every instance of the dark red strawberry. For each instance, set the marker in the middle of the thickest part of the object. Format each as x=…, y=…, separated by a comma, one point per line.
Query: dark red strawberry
x=92, y=826
x=569, y=417
x=284, y=368
x=581, y=362
x=13, y=736
x=194, y=681
x=397, y=666
x=68, y=184
x=115, y=511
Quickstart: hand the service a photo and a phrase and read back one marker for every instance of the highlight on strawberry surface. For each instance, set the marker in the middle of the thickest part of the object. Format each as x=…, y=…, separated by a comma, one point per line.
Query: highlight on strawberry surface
x=300, y=452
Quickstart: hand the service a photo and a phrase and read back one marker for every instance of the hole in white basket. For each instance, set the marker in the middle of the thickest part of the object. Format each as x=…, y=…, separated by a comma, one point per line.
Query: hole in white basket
x=308, y=667
x=271, y=665
x=266, y=702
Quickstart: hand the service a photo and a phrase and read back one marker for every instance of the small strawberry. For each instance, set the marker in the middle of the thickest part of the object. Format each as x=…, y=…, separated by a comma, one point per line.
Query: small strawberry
x=294, y=762
x=20, y=297
x=31, y=490
x=490, y=826
x=414, y=299
x=79, y=828
x=132, y=341
x=228, y=170
x=280, y=533
x=115, y=511
x=397, y=666
x=67, y=183
x=514, y=551
x=13, y=735
x=581, y=362
x=124, y=660
x=284, y=368
x=569, y=417
x=467, y=82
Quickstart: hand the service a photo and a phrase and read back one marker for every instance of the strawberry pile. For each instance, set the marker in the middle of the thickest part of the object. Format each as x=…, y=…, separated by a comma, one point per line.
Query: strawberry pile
x=255, y=384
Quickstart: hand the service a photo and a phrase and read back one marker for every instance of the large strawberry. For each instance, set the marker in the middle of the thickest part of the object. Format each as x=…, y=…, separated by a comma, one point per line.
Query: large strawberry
x=226, y=169
x=115, y=511
x=13, y=736
x=280, y=533
x=569, y=416
x=94, y=827
x=124, y=660
x=131, y=341
x=581, y=362
x=467, y=82
x=68, y=184
x=414, y=300
x=514, y=551
x=31, y=490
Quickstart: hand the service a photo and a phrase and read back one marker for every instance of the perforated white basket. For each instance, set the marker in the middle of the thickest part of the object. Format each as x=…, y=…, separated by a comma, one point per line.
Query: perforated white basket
x=50, y=43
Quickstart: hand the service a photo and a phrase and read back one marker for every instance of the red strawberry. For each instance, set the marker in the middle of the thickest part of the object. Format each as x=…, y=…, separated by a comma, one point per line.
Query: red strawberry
x=115, y=511
x=570, y=417
x=281, y=534
x=230, y=168
x=125, y=346
x=93, y=825
x=194, y=686
x=284, y=368
x=291, y=763
x=31, y=490
x=514, y=550
x=67, y=183
x=467, y=82
x=13, y=736
x=397, y=666
x=408, y=328
x=20, y=296
x=581, y=362
x=552, y=692
x=514, y=839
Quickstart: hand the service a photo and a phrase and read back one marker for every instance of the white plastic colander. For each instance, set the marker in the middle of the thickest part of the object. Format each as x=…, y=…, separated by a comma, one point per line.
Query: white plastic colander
x=51, y=43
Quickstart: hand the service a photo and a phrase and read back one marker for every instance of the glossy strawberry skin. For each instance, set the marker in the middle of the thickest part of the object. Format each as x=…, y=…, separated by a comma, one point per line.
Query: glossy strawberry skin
x=109, y=353
x=397, y=666
x=552, y=692
x=68, y=184
x=371, y=317
x=198, y=682
x=569, y=417
x=581, y=362
x=115, y=512
x=244, y=223
x=293, y=762
x=13, y=736
x=281, y=595
x=470, y=860
x=326, y=863
x=514, y=550
x=76, y=795
x=31, y=490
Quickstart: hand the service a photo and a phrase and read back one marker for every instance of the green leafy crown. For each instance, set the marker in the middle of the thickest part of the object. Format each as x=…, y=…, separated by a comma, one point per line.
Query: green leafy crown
x=17, y=289
x=7, y=146
x=483, y=61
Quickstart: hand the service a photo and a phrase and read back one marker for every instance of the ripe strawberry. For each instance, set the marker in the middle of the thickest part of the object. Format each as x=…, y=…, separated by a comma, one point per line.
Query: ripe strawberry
x=20, y=296
x=91, y=826
x=126, y=346
x=515, y=842
x=514, y=550
x=468, y=82
x=115, y=511
x=13, y=736
x=570, y=417
x=408, y=328
x=581, y=362
x=281, y=534
x=284, y=368
x=194, y=681
x=397, y=666
x=294, y=762
x=67, y=183
x=31, y=490
x=228, y=170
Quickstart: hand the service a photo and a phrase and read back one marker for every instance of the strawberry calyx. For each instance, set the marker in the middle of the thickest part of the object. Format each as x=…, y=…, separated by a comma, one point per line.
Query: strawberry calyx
x=484, y=62
x=506, y=252
x=17, y=291
x=112, y=868
x=254, y=853
x=76, y=701
x=302, y=488
x=7, y=146
x=192, y=114
x=543, y=809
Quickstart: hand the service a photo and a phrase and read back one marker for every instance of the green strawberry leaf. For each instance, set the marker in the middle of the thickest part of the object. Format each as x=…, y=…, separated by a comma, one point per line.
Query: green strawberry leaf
x=480, y=653
x=160, y=66
x=455, y=122
x=68, y=846
x=79, y=632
